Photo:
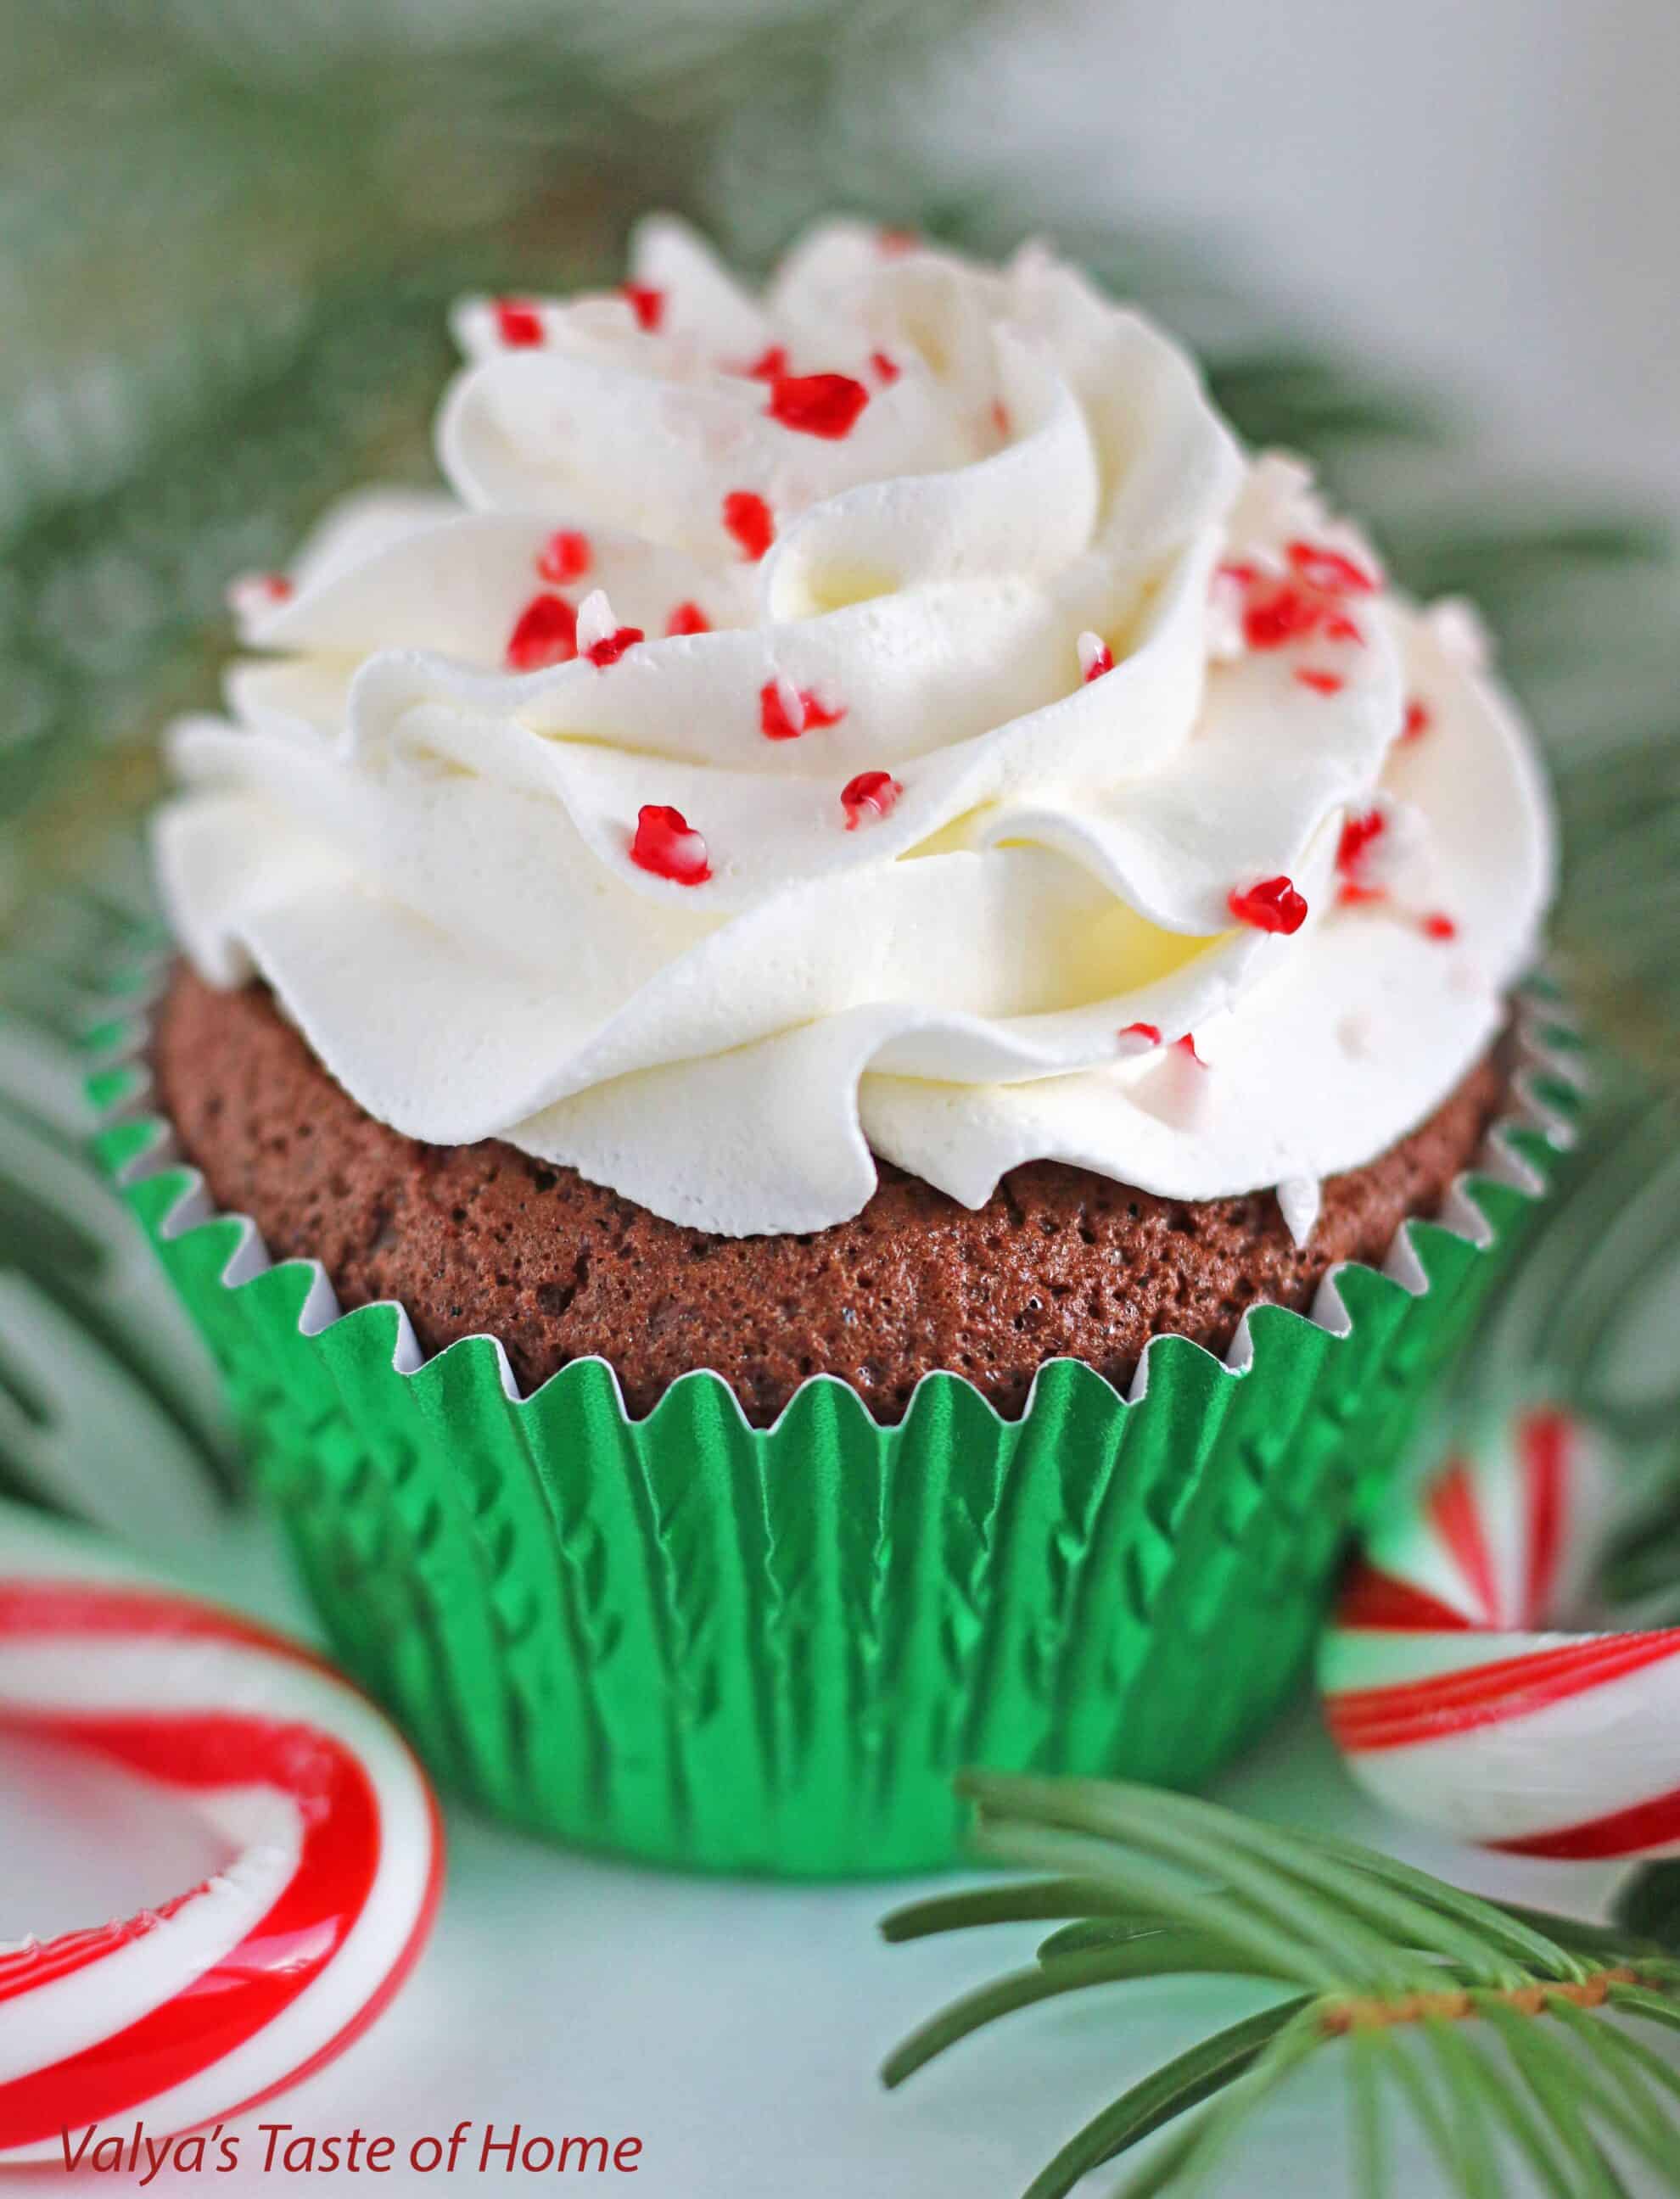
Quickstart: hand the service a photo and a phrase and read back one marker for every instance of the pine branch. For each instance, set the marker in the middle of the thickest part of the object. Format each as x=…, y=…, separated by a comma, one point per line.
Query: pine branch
x=1496, y=2026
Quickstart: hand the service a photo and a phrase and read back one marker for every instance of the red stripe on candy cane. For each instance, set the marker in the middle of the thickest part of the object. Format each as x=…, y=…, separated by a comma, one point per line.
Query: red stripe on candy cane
x=38, y=1609
x=1412, y=1710
x=1374, y=1599
x=1455, y=1517
x=1543, y=1439
x=1641, y=1829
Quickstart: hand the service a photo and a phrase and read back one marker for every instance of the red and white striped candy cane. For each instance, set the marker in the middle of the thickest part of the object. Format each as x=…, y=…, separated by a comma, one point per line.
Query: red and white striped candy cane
x=1452, y=1702
x=195, y=2011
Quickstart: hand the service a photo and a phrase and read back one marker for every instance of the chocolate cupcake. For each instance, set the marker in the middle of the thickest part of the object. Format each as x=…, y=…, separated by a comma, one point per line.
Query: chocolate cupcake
x=483, y=1240
x=860, y=979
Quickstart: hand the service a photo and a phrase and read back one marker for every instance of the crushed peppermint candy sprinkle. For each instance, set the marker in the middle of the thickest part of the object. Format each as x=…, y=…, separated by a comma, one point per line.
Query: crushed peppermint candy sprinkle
x=1320, y=682
x=1438, y=926
x=611, y=646
x=747, y=517
x=1351, y=894
x=1332, y=570
x=1001, y=419
x=600, y=638
x=1186, y=1044
x=518, y=325
x=1357, y=834
x=871, y=794
x=688, y=618
x=565, y=556
x=646, y=303
x=251, y=591
x=826, y=405
x=545, y=633
x=1095, y=656
x=1139, y=1038
x=1418, y=720
x=1273, y=905
x=1277, y=609
x=1277, y=614
x=666, y=843
x=887, y=370
x=785, y=711
x=770, y=365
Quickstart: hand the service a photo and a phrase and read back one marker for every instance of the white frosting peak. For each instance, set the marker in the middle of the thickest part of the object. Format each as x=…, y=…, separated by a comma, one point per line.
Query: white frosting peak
x=838, y=723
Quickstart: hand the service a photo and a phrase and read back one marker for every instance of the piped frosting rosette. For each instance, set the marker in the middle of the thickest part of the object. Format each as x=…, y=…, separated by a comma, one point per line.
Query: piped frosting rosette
x=887, y=716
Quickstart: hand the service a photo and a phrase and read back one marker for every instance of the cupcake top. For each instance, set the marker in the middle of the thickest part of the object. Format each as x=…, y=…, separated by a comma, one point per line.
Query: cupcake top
x=890, y=714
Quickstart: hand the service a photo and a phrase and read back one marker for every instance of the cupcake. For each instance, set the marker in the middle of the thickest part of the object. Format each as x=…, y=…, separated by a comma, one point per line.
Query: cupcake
x=845, y=1049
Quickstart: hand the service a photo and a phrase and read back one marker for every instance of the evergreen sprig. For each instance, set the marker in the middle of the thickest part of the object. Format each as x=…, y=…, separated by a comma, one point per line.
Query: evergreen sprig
x=1504, y=2031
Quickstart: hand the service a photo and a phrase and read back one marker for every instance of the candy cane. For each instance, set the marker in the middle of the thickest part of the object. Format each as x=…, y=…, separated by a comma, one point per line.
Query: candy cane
x=200, y=2009
x=1451, y=1703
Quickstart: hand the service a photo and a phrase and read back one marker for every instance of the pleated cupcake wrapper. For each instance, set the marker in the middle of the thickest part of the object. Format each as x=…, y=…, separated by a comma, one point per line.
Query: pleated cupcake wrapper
x=712, y=1645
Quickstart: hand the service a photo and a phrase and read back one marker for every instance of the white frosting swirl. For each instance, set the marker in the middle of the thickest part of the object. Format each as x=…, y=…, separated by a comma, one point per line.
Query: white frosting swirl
x=431, y=856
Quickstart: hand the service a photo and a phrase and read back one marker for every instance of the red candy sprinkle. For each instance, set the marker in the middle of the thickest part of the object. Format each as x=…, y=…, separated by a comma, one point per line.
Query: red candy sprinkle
x=519, y=326
x=1095, y=661
x=871, y=794
x=1283, y=613
x=1274, y=905
x=1438, y=926
x=1278, y=611
x=1418, y=720
x=1321, y=683
x=546, y=634
x=648, y=304
x=1139, y=1038
x=826, y=405
x=1357, y=834
x=887, y=371
x=770, y=365
x=611, y=646
x=666, y=843
x=747, y=519
x=1000, y=418
x=688, y=618
x=565, y=556
x=272, y=587
x=775, y=720
x=1351, y=894
x=1320, y=566
x=1188, y=1045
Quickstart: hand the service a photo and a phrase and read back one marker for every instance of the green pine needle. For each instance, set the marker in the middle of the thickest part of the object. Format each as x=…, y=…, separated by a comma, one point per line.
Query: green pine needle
x=1182, y=2083
x=1502, y=2031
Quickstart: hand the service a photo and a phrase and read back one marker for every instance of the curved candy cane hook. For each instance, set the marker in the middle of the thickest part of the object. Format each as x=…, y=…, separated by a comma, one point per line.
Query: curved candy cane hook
x=242, y=1986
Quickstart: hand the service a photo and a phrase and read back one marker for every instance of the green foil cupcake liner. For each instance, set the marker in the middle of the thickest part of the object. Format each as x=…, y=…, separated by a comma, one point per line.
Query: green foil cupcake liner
x=692, y=1641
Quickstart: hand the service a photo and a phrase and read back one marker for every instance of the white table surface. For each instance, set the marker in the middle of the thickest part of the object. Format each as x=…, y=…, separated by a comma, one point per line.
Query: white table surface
x=733, y=2027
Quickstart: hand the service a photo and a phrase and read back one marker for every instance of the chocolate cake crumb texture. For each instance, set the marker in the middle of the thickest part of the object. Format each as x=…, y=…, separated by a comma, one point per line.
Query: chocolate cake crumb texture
x=1060, y=1263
